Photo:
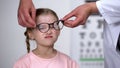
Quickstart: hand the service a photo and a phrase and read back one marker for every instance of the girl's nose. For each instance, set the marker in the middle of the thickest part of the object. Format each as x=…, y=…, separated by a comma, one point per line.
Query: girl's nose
x=50, y=31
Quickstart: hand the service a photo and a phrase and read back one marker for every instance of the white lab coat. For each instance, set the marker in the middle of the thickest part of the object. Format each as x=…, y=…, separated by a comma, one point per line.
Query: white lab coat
x=110, y=11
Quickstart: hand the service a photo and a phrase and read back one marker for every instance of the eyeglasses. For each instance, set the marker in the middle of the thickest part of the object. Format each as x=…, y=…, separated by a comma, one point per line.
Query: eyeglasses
x=44, y=27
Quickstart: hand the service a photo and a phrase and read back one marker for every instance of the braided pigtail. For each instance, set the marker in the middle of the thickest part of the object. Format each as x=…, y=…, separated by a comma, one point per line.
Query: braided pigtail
x=27, y=41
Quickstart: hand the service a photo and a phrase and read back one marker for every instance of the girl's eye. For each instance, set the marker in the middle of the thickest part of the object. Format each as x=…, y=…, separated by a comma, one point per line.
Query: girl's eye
x=41, y=27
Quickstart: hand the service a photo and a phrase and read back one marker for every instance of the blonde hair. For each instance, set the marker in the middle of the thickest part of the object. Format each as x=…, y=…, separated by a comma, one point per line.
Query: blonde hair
x=39, y=11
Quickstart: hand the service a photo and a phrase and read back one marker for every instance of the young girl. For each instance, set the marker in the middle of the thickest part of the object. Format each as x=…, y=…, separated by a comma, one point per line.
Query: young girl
x=45, y=35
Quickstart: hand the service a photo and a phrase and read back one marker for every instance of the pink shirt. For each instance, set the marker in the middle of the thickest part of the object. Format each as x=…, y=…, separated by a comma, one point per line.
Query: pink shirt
x=59, y=61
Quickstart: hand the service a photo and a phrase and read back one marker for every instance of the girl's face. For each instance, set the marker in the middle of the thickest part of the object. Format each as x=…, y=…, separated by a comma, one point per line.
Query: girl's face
x=48, y=38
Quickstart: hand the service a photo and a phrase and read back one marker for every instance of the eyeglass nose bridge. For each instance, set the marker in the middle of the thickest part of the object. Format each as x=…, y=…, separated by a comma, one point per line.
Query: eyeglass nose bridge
x=51, y=25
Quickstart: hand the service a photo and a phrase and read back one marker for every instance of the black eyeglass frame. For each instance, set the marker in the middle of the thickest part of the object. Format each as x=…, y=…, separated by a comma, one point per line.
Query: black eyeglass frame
x=51, y=25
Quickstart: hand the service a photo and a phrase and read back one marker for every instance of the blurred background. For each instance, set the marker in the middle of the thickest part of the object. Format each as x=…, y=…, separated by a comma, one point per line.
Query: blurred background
x=83, y=43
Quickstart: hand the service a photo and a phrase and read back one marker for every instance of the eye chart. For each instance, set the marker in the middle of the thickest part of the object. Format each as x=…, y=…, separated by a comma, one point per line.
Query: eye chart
x=87, y=42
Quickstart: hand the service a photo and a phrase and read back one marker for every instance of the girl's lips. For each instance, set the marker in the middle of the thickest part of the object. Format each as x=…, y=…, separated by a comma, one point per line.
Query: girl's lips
x=48, y=36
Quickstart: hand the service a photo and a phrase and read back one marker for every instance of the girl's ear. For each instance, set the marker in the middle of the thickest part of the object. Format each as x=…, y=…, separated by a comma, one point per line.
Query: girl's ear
x=31, y=37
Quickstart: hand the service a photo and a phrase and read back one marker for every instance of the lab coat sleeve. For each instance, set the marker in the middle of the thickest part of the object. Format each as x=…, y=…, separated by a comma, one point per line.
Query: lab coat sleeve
x=110, y=10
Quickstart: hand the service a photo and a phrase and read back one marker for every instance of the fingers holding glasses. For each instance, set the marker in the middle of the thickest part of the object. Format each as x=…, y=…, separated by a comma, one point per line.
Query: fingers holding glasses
x=26, y=13
x=25, y=19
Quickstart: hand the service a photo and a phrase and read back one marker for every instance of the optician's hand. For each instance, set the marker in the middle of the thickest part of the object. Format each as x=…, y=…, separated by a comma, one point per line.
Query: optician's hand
x=26, y=13
x=81, y=13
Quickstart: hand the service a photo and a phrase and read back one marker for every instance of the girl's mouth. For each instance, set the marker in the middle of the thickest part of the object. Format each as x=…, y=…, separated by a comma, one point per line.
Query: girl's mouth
x=48, y=36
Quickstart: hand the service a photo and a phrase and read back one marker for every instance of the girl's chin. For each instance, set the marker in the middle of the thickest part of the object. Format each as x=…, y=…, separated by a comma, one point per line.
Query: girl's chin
x=48, y=44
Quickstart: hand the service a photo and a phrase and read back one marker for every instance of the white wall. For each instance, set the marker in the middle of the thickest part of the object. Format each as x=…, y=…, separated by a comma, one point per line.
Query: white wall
x=12, y=40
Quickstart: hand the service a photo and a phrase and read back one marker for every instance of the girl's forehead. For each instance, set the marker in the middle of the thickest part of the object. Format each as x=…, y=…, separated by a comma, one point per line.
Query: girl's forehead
x=46, y=19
